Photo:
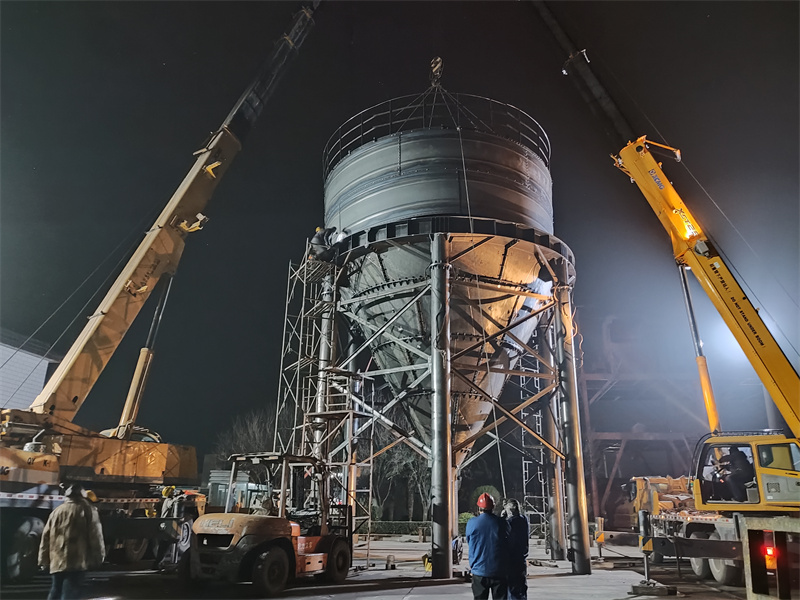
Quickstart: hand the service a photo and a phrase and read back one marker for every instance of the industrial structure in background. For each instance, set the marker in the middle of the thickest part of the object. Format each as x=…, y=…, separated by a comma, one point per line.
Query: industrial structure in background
x=126, y=466
x=437, y=277
x=25, y=364
x=735, y=514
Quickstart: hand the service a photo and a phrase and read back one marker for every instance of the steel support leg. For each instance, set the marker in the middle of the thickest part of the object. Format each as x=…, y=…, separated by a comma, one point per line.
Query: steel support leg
x=577, y=512
x=441, y=446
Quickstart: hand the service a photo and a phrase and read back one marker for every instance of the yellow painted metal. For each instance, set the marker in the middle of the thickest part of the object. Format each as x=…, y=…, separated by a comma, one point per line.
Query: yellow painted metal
x=158, y=254
x=133, y=400
x=763, y=504
x=693, y=249
x=708, y=394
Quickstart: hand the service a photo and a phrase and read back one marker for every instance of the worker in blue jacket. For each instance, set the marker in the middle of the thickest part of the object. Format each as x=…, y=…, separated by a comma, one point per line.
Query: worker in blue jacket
x=518, y=540
x=487, y=537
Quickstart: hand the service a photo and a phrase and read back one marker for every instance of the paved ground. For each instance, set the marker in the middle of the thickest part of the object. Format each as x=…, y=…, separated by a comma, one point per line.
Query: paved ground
x=548, y=581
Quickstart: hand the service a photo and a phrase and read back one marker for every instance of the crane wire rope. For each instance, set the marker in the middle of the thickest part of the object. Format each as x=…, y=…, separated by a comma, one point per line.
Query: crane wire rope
x=478, y=286
x=131, y=246
x=750, y=291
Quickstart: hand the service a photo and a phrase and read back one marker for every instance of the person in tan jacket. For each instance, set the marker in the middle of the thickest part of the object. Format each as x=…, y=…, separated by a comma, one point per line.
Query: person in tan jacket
x=72, y=543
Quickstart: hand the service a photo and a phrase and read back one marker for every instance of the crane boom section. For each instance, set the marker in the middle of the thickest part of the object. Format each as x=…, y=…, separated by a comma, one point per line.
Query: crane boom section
x=162, y=246
x=157, y=254
x=692, y=248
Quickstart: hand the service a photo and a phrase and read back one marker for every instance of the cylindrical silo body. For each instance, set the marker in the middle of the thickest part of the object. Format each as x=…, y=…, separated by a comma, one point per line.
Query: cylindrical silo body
x=476, y=170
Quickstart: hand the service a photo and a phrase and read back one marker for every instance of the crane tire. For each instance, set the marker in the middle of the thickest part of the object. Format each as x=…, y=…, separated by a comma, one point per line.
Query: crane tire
x=271, y=572
x=726, y=572
x=700, y=565
x=339, y=560
x=20, y=557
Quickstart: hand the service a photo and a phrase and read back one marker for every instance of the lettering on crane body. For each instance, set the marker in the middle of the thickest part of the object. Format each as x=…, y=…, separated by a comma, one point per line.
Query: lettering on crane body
x=721, y=279
x=656, y=178
x=750, y=326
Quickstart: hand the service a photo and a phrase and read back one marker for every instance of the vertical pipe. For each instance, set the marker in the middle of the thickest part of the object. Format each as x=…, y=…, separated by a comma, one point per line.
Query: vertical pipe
x=284, y=499
x=577, y=512
x=441, y=446
x=554, y=467
x=356, y=389
x=455, y=485
x=590, y=446
x=231, y=481
x=326, y=357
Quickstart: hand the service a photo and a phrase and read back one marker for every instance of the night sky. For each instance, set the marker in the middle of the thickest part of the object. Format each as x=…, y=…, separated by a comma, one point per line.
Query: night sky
x=102, y=104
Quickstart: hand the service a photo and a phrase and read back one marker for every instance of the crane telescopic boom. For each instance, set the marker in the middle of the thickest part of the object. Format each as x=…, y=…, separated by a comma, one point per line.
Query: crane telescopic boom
x=692, y=248
x=161, y=249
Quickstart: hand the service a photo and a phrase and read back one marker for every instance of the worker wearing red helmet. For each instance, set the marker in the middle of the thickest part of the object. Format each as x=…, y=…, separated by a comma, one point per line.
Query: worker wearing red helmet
x=487, y=537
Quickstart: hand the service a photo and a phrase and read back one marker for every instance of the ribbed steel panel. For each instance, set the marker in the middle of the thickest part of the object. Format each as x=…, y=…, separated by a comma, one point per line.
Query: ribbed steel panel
x=421, y=173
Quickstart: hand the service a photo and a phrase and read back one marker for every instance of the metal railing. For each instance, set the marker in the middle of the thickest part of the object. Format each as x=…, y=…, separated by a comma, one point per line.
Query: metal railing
x=436, y=109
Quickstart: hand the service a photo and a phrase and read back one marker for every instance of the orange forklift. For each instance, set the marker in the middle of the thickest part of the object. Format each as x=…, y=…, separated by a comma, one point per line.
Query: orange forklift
x=296, y=531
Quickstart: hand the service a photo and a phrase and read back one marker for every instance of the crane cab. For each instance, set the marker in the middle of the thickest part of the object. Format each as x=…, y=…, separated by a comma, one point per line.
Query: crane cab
x=748, y=471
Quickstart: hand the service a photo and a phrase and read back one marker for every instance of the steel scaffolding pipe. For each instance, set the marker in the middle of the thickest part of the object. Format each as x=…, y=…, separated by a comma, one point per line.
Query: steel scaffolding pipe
x=577, y=512
x=441, y=456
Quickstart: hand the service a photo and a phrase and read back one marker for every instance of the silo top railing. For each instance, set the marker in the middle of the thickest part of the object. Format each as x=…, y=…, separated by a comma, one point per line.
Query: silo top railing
x=436, y=109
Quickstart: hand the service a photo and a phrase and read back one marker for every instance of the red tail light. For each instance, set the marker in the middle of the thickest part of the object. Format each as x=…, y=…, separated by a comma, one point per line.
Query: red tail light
x=770, y=557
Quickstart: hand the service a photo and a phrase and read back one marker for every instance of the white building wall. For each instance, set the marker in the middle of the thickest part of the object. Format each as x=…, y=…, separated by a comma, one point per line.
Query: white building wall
x=21, y=378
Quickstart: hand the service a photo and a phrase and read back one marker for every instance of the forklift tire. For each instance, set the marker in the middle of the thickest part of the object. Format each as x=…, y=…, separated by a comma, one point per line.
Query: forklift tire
x=700, y=565
x=188, y=582
x=338, y=562
x=271, y=572
x=724, y=572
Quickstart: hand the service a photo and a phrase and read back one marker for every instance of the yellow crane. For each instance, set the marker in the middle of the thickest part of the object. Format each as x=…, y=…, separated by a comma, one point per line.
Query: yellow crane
x=735, y=476
x=42, y=446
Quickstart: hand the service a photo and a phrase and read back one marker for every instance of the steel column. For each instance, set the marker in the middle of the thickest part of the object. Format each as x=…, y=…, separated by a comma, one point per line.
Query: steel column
x=577, y=512
x=441, y=463
x=554, y=467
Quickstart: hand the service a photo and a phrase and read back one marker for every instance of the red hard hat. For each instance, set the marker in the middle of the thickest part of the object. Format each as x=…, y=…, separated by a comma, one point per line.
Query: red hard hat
x=485, y=501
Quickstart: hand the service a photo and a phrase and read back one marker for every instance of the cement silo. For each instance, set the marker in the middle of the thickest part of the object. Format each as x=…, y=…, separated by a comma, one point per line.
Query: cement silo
x=439, y=219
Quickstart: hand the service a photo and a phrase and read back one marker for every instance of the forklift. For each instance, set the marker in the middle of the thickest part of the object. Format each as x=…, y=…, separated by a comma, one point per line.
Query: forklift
x=296, y=531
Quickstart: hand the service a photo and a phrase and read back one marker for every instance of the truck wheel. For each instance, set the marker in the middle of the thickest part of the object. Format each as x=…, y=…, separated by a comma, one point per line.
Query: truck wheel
x=338, y=562
x=724, y=572
x=271, y=572
x=134, y=550
x=700, y=565
x=22, y=555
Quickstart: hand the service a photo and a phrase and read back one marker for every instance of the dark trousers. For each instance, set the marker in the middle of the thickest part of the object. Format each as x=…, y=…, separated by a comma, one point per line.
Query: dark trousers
x=482, y=585
x=66, y=585
x=518, y=583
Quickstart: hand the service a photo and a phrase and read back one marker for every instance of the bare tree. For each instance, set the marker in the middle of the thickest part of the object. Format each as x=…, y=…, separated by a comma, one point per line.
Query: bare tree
x=252, y=432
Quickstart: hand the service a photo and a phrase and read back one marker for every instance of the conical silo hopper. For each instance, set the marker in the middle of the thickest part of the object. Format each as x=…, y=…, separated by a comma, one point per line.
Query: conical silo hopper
x=472, y=168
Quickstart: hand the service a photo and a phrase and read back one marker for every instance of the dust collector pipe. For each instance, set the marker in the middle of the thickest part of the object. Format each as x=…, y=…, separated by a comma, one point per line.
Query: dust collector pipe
x=441, y=466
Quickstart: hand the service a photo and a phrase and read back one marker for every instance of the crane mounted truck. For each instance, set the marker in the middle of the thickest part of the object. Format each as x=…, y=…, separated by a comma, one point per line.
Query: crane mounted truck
x=42, y=447
x=708, y=526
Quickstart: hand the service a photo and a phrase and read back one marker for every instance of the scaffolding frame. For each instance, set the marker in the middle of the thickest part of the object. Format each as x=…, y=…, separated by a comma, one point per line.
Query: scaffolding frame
x=348, y=419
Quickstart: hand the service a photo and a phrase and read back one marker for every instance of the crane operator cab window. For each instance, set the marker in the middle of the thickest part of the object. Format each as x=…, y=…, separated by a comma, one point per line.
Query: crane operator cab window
x=728, y=474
